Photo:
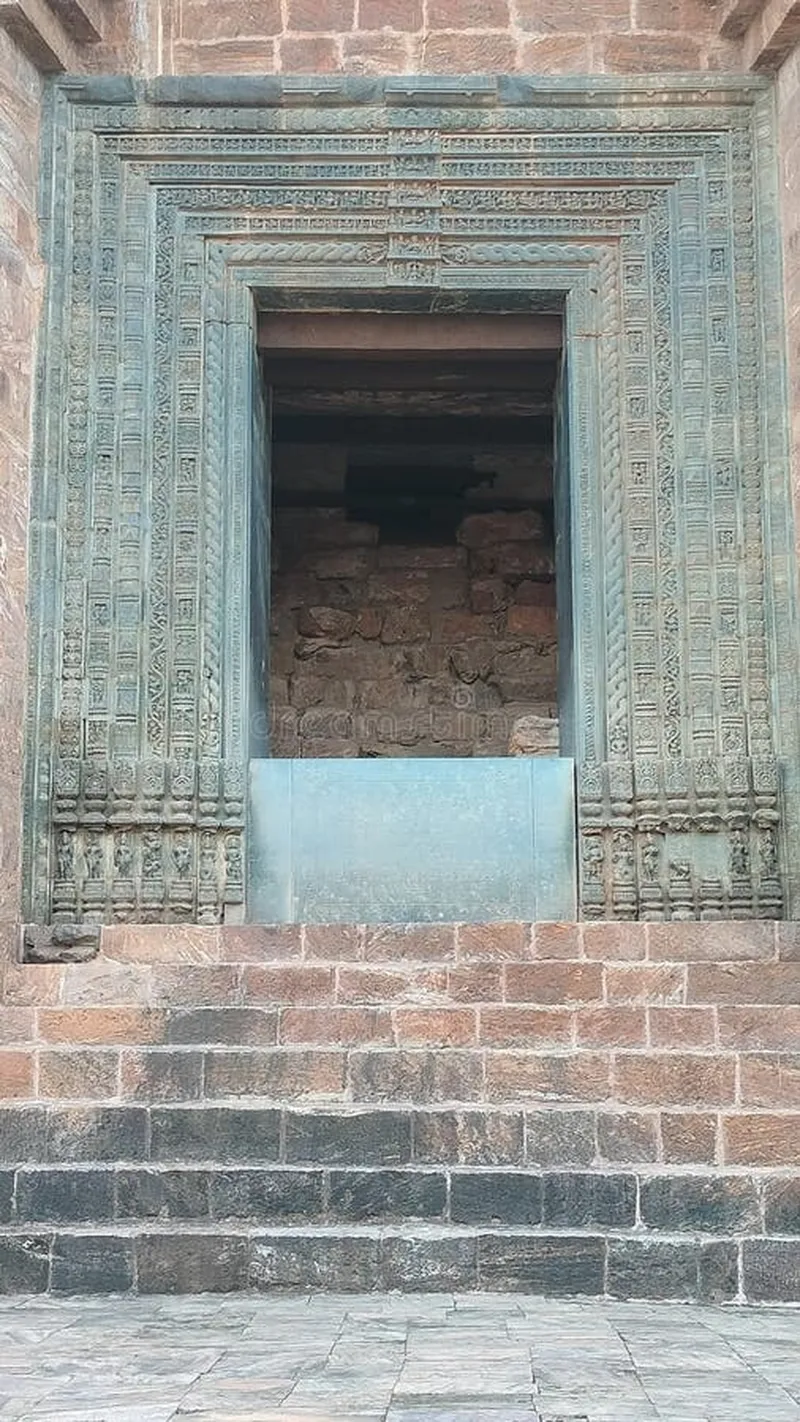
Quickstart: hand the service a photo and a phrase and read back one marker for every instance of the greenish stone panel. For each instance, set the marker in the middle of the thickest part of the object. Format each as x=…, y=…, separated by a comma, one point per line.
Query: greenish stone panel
x=646, y=210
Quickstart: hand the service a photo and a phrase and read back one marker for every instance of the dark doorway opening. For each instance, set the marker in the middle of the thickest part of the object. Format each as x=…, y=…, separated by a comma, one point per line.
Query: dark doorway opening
x=413, y=535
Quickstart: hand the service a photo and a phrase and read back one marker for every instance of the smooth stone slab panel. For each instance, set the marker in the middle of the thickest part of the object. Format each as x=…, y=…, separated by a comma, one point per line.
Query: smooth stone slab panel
x=412, y=840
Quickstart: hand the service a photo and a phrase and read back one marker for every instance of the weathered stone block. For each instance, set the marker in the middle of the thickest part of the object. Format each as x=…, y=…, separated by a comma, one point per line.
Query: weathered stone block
x=539, y=1265
x=573, y=1201
x=24, y=1263
x=468, y=1137
x=191, y=1263
x=92, y=1264
x=496, y=1197
x=391, y=1195
x=163, y=1194
x=64, y=1196
x=700, y=1203
x=379, y=1137
x=224, y=1134
x=428, y=1265
x=645, y=1269
x=60, y=943
x=266, y=1196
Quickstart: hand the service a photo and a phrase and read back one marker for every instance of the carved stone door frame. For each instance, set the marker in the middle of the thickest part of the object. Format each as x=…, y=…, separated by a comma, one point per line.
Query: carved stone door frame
x=172, y=209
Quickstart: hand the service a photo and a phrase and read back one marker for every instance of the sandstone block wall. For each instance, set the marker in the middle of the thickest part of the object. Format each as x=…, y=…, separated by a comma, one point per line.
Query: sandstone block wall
x=392, y=649
x=442, y=36
x=21, y=280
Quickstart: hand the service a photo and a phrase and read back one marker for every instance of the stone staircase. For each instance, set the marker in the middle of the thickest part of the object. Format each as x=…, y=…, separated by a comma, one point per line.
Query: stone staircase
x=604, y=1109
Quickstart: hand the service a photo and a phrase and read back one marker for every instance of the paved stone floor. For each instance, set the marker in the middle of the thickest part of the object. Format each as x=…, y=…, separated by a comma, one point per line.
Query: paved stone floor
x=437, y=1358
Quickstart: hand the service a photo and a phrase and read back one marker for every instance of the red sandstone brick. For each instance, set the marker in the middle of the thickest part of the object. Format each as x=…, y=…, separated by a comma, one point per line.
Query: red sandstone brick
x=312, y=55
x=761, y=1139
x=275, y=1074
x=557, y=55
x=475, y=982
x=557, y=940
x=200, y=986
x=201, y=21
x=627, y=1137
x=167, y=1075
x=481, y=941
x=379, y=52
x=751, y=1029
x=16, y=1026
x=526, y=1076
x=26, y=985
x=689, y=1137
x=611, y=1026
x=260, y=943
x=682, y=1026
x=435, y=1027
x=79, y=1075
x=529, y=621
x=555, y=982
x=320, y=16
x=420, y=1077
x=161, y=943
x=673, y=1079
x=388, y=985
x=524, y=1027
x=711, y=942
x=101, y=983
x=468, y=15
x=552, y=17
x=390, y=14
x=770, y=1080
x=336, y=942
x=469, y=54
x=660, y=984
x=615, y=942
x=247, y=56
x=292, y=984
x=103, y=1026
x=488, y=595
x=335, y=1026
x=425, y=942
x=744, y=983
x=16, y=1075
x=646, y=54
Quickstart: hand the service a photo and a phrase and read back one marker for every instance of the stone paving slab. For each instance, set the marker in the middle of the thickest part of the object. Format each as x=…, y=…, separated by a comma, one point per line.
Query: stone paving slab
x=394, y=1358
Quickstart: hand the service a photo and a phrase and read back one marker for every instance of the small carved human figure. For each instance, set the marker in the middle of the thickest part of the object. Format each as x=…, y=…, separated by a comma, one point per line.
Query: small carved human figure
x=65, y=855
x=740, y=855
x=182, y=858
x=123, y=857
x=93, y=858
x=593, y=857
x=151, y=857
x=651, y=860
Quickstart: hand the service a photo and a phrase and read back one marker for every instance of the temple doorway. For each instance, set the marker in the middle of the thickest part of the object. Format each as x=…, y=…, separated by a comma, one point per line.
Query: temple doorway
x=413, y=588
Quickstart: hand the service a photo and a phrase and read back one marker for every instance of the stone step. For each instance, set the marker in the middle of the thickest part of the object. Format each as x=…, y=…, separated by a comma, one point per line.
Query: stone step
x=172, y=1258
x=657, y=1199
x=548, y=1136
x=744, y=941
x=677, y=1075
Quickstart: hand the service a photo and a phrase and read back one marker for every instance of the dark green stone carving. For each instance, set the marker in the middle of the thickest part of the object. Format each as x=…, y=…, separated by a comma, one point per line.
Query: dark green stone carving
x=647, y=209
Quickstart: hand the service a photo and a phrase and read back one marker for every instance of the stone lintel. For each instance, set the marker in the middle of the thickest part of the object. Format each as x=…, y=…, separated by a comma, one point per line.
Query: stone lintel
x=39, y=34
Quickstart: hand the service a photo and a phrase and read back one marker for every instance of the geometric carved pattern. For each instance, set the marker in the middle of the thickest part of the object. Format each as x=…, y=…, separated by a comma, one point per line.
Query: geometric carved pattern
x=647, y=212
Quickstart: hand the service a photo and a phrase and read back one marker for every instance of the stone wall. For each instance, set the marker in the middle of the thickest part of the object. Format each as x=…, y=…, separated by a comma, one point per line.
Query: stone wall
x=21, y=279
x=386, y=649
x=443, y=36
